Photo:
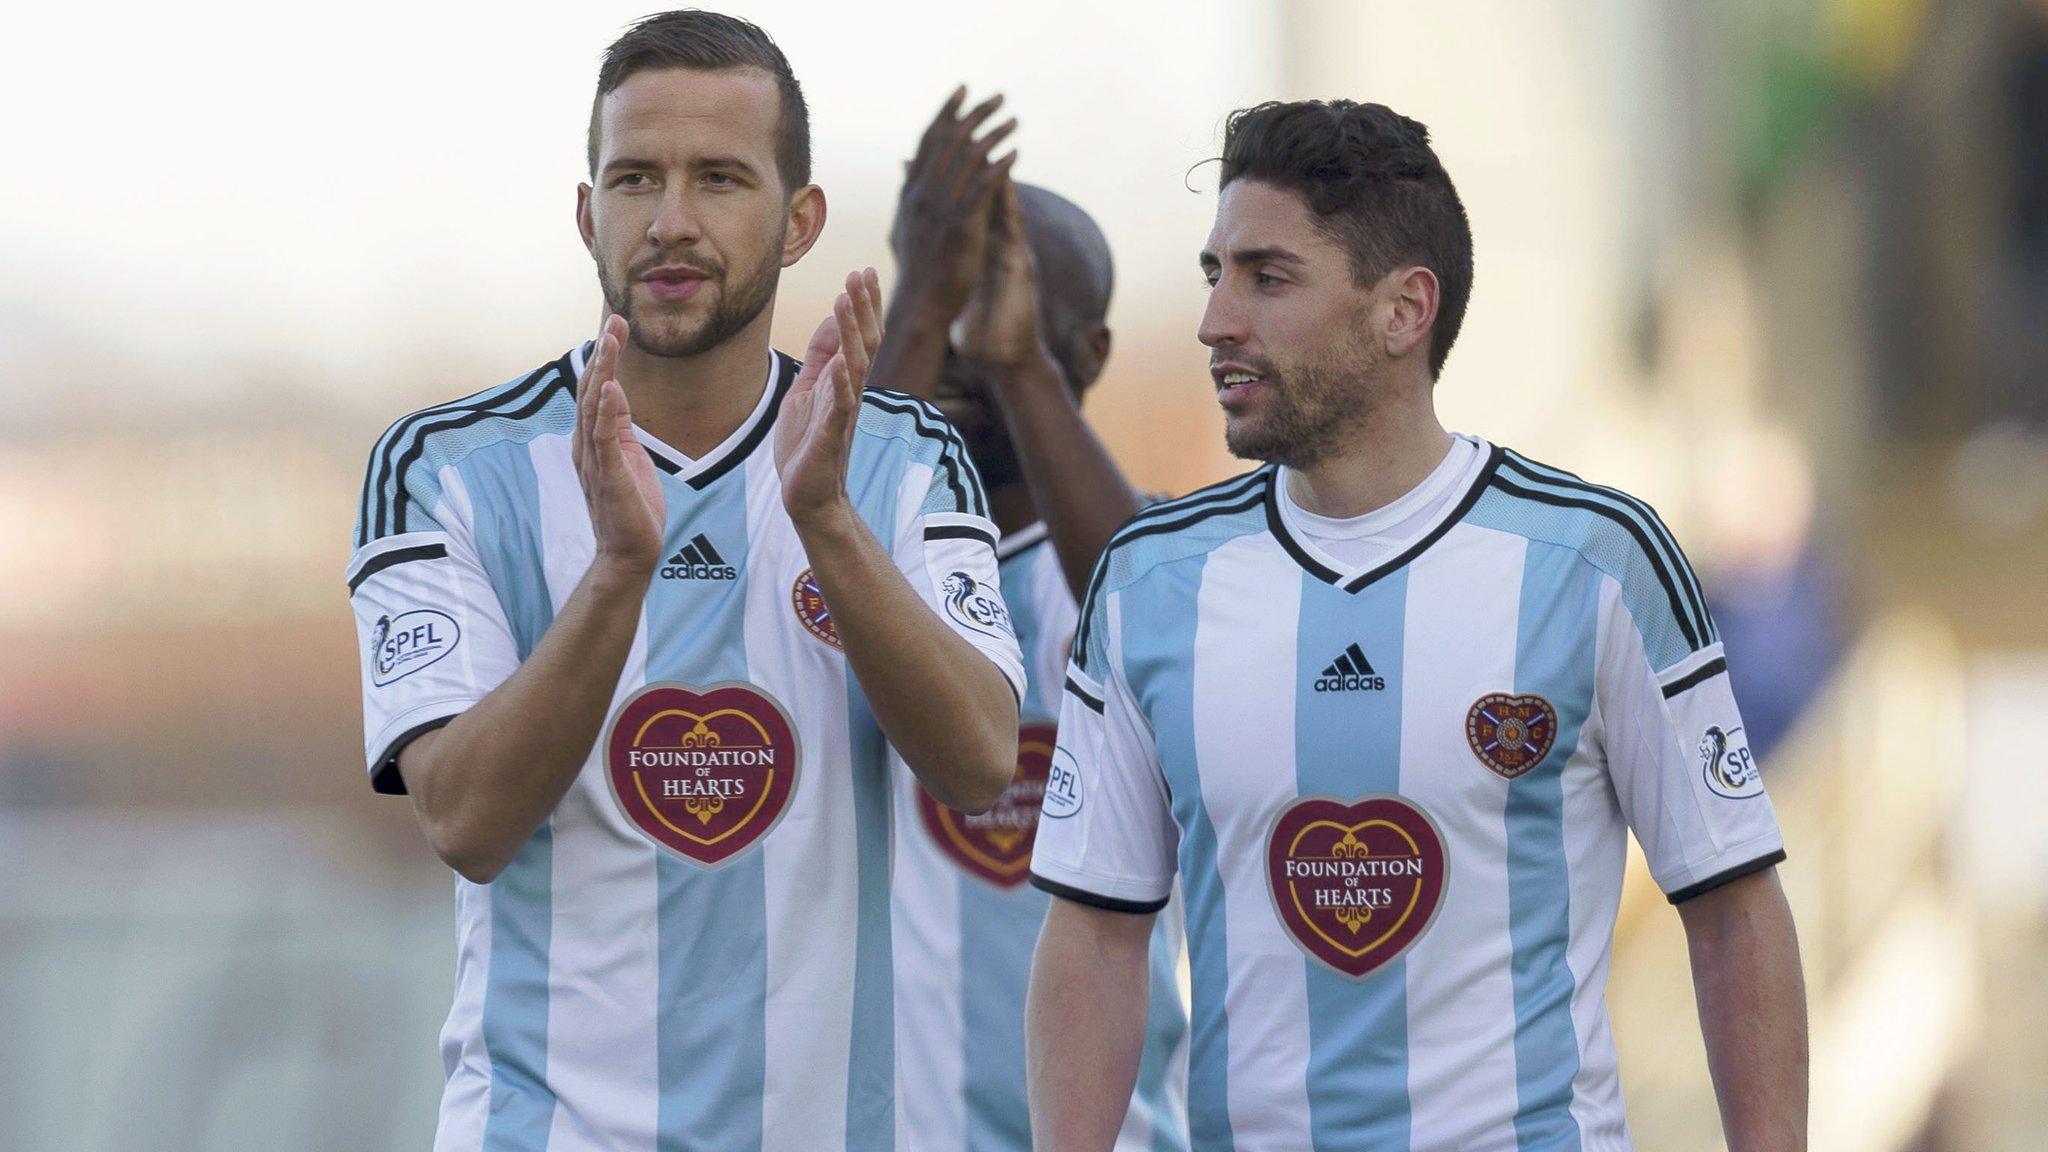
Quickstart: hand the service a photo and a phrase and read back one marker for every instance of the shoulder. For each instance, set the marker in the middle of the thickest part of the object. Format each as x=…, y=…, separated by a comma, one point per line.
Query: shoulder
x=1191, y=525
x=901, y=416
x=420, y=443
x=1614, y=531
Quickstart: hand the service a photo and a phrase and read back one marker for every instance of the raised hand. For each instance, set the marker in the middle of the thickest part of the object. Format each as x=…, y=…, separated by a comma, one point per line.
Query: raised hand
x=942, y=215
x=620, y=486
x=999, y=327
x=814, y=429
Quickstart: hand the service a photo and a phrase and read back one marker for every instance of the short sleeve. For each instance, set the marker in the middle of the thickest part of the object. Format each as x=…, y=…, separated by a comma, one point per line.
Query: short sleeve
x=1106, y=835
x=946, y=548
x=1679, y=758
x=432, y=632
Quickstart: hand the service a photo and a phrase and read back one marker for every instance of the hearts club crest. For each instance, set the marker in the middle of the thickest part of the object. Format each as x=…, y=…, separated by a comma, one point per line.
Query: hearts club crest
x=1355, y=882
x=703, y=772
x=1511, y=734
x=996, y=845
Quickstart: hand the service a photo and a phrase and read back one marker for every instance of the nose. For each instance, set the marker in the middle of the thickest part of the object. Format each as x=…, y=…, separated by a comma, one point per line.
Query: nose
x=675, y=224
x=1223, y=320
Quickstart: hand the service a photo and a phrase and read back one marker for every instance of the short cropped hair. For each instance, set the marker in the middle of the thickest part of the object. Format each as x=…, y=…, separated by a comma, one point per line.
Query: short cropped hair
x=709, y=42
x=1372, y=183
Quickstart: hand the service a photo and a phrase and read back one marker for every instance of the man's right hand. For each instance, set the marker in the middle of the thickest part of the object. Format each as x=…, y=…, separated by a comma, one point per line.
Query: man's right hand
x=620, y=486
x=942, y=217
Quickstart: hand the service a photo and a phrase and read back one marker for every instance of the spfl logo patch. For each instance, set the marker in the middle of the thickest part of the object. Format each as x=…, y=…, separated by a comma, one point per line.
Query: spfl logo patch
x=1511, y=734
x=403, y=644
x=968, y=601
x=703, y=772
x=1355, y=883
x=1727, y=765
x=996, y=845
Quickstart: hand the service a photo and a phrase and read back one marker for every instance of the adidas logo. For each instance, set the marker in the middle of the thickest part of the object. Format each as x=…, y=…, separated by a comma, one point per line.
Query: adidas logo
x=697, y=560
x=1350, y=672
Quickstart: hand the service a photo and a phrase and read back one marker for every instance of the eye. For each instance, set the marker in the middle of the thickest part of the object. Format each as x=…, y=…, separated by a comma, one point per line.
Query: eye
x=1267, y=280
x=1209, y=279
x=721, y=180
x=632, y=180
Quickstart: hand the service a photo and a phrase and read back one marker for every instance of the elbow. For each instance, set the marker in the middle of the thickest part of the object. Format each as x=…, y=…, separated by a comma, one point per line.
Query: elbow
x=980, y=778
x=469, y=854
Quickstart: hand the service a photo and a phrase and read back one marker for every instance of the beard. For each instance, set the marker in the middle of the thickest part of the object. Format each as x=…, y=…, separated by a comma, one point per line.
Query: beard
x=737, y=301
x=1309, y=410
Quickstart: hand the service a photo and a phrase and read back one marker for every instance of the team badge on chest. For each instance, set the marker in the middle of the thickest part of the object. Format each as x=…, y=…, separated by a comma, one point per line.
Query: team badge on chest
x=996, y=845
x=1355, y=883
x=1511, y=734
x=703, y=772
x=809, y=604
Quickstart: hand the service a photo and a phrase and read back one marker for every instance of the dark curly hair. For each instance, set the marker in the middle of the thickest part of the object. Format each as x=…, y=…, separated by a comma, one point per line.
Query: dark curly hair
x=709, y=42
x=1370, y=178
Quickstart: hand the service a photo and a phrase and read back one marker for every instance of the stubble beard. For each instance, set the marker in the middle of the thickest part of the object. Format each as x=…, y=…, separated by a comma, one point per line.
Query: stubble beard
x=1310, y=411
x=739, y=301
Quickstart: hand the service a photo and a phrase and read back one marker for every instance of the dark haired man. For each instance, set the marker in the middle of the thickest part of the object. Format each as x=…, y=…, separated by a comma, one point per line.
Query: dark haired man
x=1388, y=707
x=650, y=625
x=1026, y=274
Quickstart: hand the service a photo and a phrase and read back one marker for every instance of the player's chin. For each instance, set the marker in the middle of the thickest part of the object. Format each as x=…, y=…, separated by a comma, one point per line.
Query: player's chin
x=664, y=332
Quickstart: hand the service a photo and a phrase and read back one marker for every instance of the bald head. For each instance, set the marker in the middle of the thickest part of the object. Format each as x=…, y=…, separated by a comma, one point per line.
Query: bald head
x=1075, y=276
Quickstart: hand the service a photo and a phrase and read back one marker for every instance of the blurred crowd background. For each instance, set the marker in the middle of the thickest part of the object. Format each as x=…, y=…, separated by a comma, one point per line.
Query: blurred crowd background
x=1778, y=266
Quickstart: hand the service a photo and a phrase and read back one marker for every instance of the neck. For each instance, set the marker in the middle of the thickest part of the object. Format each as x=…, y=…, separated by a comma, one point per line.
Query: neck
x=692, y=403
x=1394, y=449
x=1012, y=508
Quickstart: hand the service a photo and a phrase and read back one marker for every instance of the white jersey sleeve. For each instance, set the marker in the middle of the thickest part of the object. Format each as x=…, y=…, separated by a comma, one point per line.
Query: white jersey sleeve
x=946, y=543
x=1679, y=757
x=1106, y=833
x=433, y=633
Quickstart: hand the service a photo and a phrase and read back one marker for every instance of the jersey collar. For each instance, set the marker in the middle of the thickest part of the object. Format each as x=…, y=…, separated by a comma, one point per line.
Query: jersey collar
x=1324, y=567
x=702, y=471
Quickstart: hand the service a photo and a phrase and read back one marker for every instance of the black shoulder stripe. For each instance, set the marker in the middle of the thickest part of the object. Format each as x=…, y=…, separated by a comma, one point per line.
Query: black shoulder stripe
x=386, y=475
x=394, y=557
x=960, y=532
x=1248, y=496
x=1109, y=903
x=1217, y=493
x=961, y=479
x=539, y=400
x=1673, y=554
x=1628, y=524
x=1083, y=695
x=1696, y=677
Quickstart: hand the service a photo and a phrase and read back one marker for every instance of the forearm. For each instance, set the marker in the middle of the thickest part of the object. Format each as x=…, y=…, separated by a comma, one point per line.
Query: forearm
x=1752, y=1006
x=1085, y=1025
x=948, y=710
x=913, y=348
x=1080, y=492
x=483, y=783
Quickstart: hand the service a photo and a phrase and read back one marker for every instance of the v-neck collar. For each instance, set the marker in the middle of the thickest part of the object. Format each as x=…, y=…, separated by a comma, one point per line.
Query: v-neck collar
x=702, y=471
x=1351, y=578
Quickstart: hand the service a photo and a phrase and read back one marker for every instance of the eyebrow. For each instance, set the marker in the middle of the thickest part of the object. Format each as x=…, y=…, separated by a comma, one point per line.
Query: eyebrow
x=1270, y=254
x=639, y=164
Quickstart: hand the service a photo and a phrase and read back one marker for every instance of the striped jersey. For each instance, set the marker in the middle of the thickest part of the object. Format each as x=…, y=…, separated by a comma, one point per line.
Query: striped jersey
x=1397, y=799
x=692, y=951
x=966, y=925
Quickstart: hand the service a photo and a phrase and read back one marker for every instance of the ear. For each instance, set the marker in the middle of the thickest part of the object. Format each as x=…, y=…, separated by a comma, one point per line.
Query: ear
x=1091, y=352
x=1411, y=295
x=806, y=223
x=585, y=226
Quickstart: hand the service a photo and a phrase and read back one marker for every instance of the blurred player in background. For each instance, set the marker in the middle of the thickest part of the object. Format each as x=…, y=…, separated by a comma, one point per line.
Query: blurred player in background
x=1387, y=708
x=674, y=923
x=1022, y=277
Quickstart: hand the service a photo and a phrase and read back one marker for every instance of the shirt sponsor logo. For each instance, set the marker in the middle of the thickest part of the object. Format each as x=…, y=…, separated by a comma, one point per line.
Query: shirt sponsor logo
x=1511, y=734
x=1350, y=672
x=1063, y=794
x=698, y=560
x=996, y=846
x=403, y=644
x=1727, y=765
x=969, y=602
x=703, y=772
x=1355, y=882
x=810, y=608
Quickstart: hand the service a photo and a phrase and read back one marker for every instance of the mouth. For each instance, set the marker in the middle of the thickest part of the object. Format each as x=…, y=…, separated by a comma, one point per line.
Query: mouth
x=674, y=284
x=1236, y=383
